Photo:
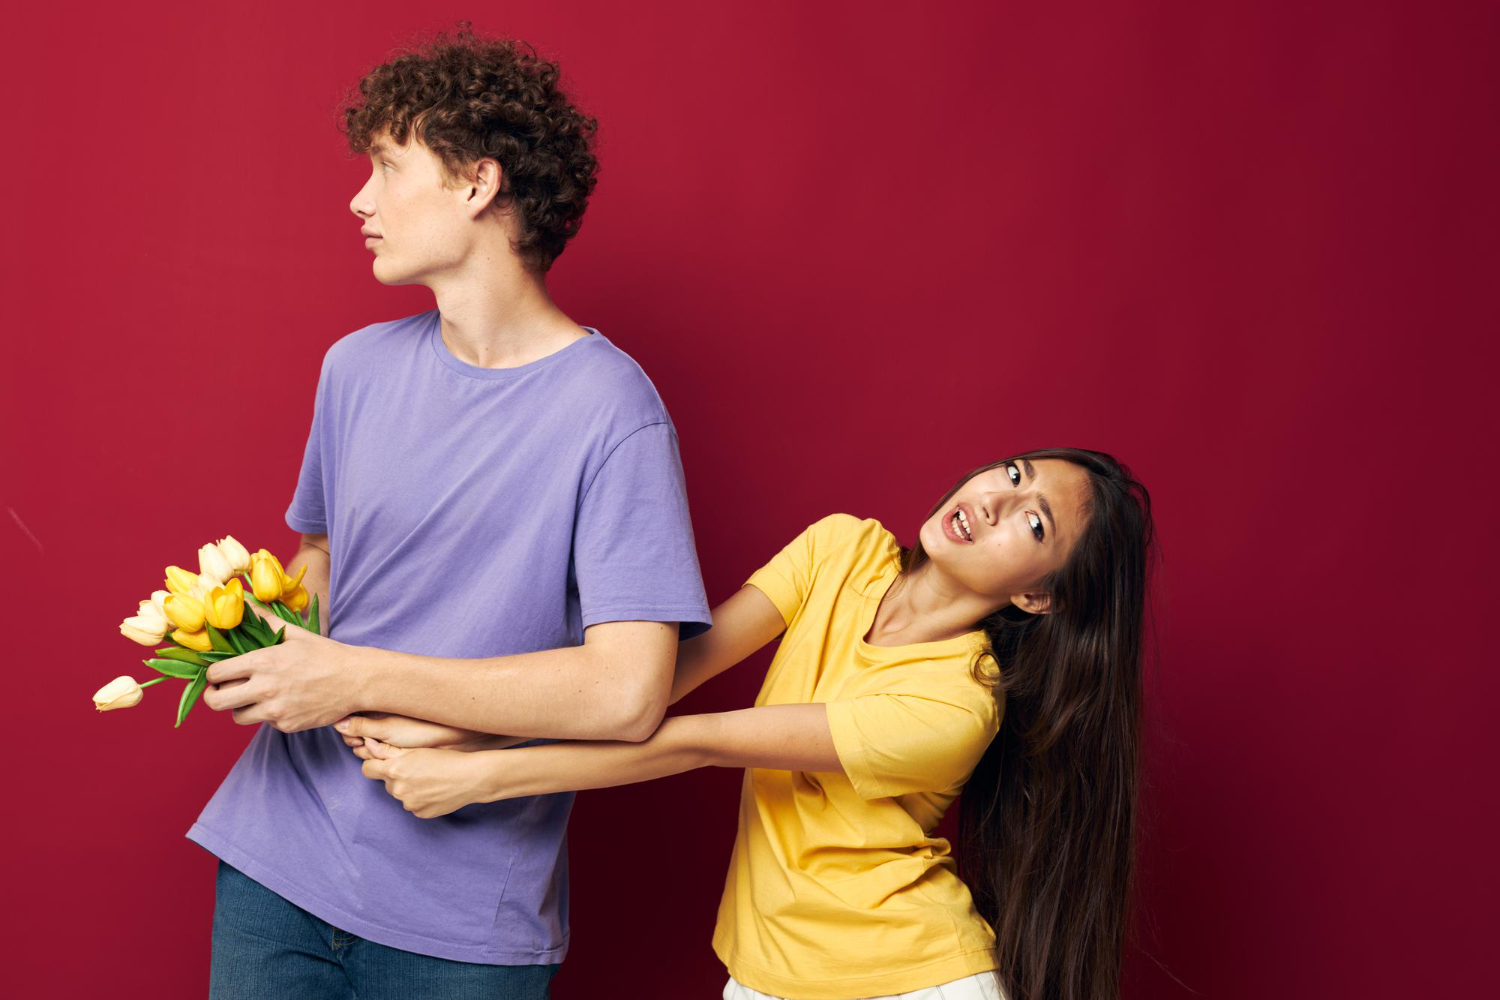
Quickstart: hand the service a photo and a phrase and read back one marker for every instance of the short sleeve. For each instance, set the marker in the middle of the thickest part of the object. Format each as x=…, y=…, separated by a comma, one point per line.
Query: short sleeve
x=894, y=744
x=633, y=551
x=308, y=511
x=787, y=578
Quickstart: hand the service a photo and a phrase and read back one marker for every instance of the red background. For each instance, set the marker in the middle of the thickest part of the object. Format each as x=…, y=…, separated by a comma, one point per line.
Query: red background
x=859, y=250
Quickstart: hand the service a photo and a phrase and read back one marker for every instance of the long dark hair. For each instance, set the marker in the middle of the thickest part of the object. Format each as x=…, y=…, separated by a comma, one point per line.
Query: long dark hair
x=1047, y=820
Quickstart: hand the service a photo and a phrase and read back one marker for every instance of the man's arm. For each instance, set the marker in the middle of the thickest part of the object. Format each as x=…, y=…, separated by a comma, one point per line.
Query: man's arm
x=615, y=686
x=313, y=552
x=741, y=625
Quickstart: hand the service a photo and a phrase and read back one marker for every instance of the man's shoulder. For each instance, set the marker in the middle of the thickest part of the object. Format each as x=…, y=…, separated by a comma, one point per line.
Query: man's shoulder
x=372, y=338
x=617, y=387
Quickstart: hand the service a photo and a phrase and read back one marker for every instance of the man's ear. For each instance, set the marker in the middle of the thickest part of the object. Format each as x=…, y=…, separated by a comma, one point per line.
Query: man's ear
x=1035, y=604
x=485, y=182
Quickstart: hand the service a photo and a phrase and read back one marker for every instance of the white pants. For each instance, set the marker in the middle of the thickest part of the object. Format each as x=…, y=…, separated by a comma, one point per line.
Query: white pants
x=980, y=986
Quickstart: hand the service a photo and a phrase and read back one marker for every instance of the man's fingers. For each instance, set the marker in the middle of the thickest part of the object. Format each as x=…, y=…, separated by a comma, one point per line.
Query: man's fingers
x=372, y=768
x=229, y=669
x=232, y=696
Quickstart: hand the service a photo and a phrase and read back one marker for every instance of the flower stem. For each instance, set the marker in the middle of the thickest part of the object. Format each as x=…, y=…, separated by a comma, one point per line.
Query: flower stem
x=149, y=683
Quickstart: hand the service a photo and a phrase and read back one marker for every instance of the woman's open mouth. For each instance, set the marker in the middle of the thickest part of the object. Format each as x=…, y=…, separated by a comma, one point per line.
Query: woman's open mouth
x=956, y=526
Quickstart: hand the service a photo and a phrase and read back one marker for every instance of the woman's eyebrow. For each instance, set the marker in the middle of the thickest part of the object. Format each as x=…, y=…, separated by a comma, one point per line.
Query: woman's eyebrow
x=1040, y=499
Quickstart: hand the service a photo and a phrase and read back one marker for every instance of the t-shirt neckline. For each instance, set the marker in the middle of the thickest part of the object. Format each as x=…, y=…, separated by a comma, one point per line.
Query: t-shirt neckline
x=446, y=358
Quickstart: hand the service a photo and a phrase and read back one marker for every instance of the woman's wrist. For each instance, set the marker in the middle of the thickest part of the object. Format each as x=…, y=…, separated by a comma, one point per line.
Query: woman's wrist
x=499, y=773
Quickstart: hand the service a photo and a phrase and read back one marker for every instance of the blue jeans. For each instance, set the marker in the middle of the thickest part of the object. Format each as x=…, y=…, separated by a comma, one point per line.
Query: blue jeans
x=265, y=948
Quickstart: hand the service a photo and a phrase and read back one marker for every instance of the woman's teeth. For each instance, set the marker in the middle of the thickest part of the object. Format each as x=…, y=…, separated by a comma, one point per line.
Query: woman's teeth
x=961, y=525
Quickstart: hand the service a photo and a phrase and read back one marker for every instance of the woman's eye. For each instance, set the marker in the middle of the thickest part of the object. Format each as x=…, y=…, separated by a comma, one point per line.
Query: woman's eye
x=1036, y=525
x=1014, y=473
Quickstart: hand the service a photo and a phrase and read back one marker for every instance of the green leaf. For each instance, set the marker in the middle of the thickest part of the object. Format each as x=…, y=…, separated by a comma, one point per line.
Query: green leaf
x=239, y=642
x=216, y=656
x=184, y=654
x=220, y=643
x=243, y=638
x=190, y=695
x=252, y=626
x=173, y=668
x=312, y=616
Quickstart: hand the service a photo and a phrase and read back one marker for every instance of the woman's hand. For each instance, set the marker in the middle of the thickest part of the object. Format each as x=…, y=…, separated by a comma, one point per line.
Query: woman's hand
x=429, y=781
x=402, y=731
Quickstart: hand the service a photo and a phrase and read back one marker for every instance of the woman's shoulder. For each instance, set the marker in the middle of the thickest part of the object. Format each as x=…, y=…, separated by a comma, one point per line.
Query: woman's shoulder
x=837, y=531
x=860, y=546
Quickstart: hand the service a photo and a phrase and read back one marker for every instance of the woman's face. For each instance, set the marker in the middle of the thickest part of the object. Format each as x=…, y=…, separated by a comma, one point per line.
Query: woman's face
x=1008, y=527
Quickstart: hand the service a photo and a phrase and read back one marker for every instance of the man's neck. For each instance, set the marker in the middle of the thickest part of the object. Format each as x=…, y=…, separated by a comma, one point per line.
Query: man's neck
x=503, y=320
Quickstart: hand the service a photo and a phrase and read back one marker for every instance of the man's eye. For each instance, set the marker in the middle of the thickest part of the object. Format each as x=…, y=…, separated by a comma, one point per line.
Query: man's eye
x=1036, y=525
x=1014, y=473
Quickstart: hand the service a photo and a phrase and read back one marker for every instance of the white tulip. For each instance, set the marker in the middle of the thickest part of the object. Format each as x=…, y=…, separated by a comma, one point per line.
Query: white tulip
x=202, y=586
x=236, y=554
x=144, y=630
x=156, y=616
x=122, y=692
x=159, y=598
x=211, y=563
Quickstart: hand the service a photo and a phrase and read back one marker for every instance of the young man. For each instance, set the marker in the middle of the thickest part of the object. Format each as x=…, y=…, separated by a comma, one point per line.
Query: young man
x=493, y=513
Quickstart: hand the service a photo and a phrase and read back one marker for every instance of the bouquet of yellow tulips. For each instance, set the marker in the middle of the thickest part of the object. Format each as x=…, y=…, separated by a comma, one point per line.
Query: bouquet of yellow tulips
x=203, y=614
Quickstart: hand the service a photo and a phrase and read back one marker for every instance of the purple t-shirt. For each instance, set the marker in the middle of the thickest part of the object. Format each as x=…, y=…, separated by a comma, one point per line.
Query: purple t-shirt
x=470, y=512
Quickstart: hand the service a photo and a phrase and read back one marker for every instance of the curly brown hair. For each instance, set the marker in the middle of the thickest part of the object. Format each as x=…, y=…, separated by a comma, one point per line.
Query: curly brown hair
x=468, y=98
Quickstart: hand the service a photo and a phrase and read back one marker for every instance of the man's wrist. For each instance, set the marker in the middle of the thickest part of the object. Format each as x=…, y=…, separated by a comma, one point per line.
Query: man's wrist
x=362, y=667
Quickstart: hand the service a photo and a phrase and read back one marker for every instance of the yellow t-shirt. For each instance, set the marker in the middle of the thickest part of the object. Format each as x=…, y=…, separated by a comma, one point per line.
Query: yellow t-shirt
x=836, y=888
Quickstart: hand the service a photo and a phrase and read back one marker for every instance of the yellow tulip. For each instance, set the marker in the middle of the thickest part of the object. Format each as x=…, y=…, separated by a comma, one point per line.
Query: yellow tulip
x=143, y=630
x=181, y=581
x=212, y=564
x=265, y=577
x=292, y=583
x=295, y=599
x=234, y=552
x=226, y=605
x=186, y=612
x=122, y=692
x=197, y=640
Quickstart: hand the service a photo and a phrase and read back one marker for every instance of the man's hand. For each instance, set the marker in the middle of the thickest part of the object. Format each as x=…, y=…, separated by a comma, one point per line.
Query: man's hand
x=428, y=781
x=403, y=731
x=305, y=681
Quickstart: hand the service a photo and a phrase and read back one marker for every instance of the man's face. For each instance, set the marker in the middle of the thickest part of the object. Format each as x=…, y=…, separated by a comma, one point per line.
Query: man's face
x=423, y=226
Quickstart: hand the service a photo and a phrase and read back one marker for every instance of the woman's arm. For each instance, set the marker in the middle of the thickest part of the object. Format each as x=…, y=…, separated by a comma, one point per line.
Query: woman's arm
x=742, y=624
x=781, y=737
x=435, y=782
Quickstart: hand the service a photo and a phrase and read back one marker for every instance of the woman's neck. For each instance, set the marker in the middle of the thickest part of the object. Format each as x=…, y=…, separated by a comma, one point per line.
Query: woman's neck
x=920, y=606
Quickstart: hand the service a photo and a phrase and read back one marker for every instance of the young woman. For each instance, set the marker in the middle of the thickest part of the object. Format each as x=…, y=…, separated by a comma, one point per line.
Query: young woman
x=1000, y=655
